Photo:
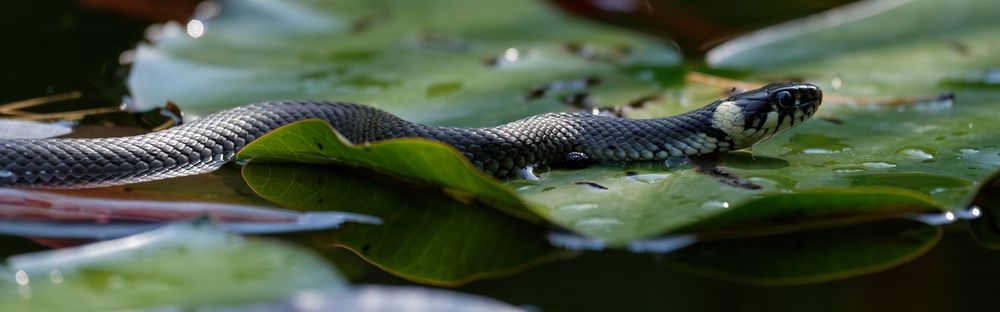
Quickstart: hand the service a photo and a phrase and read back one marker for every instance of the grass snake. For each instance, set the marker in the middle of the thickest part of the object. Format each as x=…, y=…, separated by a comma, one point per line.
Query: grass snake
x=205, y=144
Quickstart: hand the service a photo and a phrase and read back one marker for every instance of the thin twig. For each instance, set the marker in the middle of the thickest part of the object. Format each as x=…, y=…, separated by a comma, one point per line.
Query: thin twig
x=720, y=82
x=12, y=107
x=71, y=115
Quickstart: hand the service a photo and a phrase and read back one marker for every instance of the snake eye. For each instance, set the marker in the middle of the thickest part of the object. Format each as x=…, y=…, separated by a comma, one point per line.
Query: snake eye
x=784, y=99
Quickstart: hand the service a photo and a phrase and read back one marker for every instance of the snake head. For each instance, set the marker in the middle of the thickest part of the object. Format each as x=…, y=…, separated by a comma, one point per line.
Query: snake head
x=755, y=115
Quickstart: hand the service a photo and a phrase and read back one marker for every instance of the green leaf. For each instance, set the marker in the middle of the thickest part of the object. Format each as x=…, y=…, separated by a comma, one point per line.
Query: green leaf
x=181, y=265
x=425, y=63
x=778, y=213
x=811, y=256
x=448, y=62
x=872, y=29
x=435, y=163
x=812, y=236
x=425, y=236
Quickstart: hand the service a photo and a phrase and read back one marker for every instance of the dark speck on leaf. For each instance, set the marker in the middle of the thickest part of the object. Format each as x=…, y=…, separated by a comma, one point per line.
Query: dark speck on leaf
x=127, y=189
x=547, y=189
x=319, y=145
x=362, y=24
x=591, y=184
x=642, y=101
x=727, y=178
x=623, y=50
x=631, y=173
x=365, y=248
x=537, y=93
x=581, y=50
x=492, y=62
x=579, y=100
x=832, y=120
x=959, y=47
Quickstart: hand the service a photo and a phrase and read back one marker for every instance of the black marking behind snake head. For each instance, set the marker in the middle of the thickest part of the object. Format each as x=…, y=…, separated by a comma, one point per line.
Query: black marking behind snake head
x=755, y=115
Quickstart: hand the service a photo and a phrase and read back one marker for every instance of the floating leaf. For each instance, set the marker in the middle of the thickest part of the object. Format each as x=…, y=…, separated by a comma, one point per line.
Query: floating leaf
x=496, y=62
x=389, y=298
x=440, y=61
x=810, y=256
x=779, y=213
x=439, y=164
x=425, y=236
x=183, y=265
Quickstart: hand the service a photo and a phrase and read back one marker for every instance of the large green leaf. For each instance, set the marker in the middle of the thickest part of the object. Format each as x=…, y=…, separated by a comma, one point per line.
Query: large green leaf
x=810, y=256
x=425, y=236
x=875, y=47
x=182, y=265
x=425, y=62
x=778, y=213
x=315, y=141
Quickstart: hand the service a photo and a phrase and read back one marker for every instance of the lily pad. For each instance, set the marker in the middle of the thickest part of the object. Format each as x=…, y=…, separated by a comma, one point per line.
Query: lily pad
x=448, y=62
x=184, y=265
x=429, y=69
x=389, y=298
x=779, y=213
x=316, y=142
x=874, y=48
x=425, y=236
x=810, y=256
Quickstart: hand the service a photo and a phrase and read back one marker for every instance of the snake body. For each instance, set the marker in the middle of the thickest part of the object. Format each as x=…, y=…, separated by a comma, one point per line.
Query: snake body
x=207, y=143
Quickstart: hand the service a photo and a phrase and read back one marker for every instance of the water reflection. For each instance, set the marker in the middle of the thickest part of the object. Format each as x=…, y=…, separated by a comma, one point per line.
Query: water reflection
x=56, y=277
x=511, y=55
x=21, y=277
x=195, y=28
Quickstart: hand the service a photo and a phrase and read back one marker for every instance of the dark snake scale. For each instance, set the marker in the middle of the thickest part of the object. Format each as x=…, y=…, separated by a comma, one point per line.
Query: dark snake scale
x=205, y=144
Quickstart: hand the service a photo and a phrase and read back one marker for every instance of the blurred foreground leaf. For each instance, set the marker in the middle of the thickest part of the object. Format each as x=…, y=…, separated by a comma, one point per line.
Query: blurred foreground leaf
x=183, y=265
